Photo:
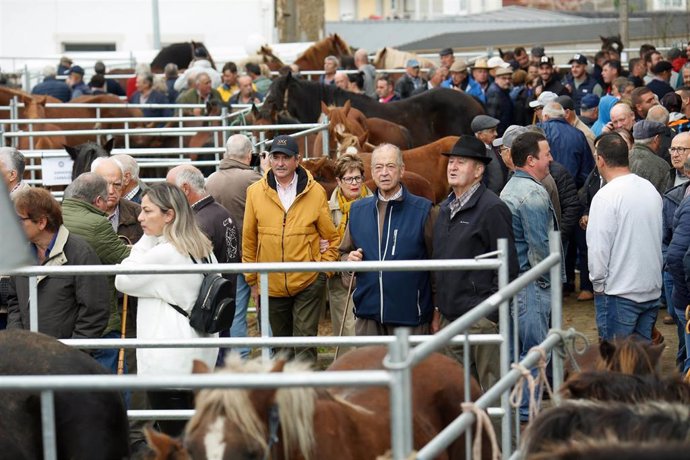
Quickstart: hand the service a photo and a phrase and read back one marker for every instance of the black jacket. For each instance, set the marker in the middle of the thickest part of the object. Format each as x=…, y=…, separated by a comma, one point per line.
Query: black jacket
x=474, y=230
x=571, y=208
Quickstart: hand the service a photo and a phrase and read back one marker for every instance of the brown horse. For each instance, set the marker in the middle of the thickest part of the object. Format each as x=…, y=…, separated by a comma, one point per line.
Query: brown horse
x=344, y=424
x=312, y=58
x=348, y=127
x=391, y=58
x=34, y=108
x=628, y=356
x=177, y=53
x=266, y=56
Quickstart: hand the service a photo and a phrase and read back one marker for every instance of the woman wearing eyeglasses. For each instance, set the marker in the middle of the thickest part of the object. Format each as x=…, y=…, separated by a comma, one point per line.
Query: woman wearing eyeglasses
x=349, y=173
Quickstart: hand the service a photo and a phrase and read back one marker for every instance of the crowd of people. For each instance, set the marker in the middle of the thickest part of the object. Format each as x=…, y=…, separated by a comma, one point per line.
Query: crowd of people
x=600, y=154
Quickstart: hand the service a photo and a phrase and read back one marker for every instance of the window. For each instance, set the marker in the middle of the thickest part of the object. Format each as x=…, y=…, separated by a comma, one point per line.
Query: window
x=71, y=47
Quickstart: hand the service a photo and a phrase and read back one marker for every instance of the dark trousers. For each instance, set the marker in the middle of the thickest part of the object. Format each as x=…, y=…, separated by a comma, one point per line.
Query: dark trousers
x=298, y=316
x=171, y=399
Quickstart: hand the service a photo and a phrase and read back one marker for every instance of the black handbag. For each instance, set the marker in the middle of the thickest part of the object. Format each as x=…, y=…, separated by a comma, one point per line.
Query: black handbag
x=214, y=308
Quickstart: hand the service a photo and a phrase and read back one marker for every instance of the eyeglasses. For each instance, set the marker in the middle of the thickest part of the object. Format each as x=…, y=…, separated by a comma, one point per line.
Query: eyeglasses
x=678, y=150
x=353, y=180
x=23, y=218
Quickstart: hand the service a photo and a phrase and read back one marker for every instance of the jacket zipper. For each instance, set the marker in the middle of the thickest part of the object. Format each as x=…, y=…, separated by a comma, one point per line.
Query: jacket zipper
x=395, y=240
x=282, y=251
x=388, y=234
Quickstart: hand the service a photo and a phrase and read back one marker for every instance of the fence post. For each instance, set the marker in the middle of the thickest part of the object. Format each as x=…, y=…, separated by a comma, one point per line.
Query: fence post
x=263, y=313
x=14, y=114
x=180, y=123
x=556, y=308
x=98, y=115
x=324, y=138
x=33, y=303
x=504, y=328
x=48, y=424
x=127, y=135
x=400, y=395
x=27, y=79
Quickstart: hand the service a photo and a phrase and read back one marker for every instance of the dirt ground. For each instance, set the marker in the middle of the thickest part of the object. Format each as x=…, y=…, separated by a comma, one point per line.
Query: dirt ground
x=579, y=315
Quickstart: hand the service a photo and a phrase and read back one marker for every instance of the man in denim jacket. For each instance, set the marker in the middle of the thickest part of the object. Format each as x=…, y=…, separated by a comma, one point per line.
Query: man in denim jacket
x=533, y=219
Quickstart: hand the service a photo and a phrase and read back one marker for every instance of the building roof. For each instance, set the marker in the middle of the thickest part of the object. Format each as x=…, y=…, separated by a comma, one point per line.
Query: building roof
x=510, y=26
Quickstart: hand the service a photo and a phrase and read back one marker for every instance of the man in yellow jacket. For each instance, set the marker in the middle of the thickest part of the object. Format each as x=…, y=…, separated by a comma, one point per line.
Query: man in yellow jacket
x=285, y=217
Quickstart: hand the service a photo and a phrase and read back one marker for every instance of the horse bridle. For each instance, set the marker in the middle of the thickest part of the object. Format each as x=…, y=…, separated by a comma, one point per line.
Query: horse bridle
x=273, y=425
x=284, y=111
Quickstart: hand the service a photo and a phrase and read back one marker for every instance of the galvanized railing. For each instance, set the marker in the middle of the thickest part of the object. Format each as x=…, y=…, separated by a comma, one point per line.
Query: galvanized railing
x=399, y=362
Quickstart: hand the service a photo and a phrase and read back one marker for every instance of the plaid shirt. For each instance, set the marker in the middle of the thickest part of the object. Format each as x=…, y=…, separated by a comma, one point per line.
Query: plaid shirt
x=460, y=201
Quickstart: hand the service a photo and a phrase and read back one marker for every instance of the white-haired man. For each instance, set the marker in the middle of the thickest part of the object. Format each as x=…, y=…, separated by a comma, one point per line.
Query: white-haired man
x=13, y=168
x=132, y=186
x=51, y=86
x=228, y=186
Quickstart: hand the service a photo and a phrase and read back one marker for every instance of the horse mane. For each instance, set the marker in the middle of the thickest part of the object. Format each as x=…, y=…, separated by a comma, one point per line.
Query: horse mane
x=616, y=386
x=630, y=356
x=296, y=406
x=596, y=449
x=610, y=422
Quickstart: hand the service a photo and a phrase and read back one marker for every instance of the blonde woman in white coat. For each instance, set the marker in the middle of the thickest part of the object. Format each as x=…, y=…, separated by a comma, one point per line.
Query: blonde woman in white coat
x=171, y=235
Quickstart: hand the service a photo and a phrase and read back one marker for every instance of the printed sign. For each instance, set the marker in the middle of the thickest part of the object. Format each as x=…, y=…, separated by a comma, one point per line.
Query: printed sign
x=56, y=170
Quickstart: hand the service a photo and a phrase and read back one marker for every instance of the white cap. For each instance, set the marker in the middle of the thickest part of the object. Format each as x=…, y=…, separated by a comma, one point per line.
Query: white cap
x=543, y=99
x=496, y=61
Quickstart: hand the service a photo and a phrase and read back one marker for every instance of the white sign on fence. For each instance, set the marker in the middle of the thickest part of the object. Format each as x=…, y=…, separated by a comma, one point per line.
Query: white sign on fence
x=56, y=170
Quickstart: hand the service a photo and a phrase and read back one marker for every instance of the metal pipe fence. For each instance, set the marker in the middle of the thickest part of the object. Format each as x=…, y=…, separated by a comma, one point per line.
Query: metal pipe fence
x=399, y=363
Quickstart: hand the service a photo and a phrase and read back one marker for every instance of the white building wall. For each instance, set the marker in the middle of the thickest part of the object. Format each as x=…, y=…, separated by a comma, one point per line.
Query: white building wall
x=40, y=27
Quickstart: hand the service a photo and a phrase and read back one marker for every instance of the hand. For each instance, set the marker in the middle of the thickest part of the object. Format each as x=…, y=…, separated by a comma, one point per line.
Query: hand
x=436, y=322
x=608, y=128
x=197, y=112
x=538, y=90
x=323, y=246
x=256, y=299
x=584, y=220
x=356, y=256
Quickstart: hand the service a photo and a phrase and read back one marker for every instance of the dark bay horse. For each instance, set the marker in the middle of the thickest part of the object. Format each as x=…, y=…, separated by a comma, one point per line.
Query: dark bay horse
x=89, y=425
x=83, y=155
x=428, y=116
x=177, y=53
x=343, y=424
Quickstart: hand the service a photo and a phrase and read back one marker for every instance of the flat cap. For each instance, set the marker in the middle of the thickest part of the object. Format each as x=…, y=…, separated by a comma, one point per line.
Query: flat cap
x=566, y=102
x=482, y=122
x=445, y=52
x=510, y=134
x=538, y=51
x=644, y=129
x=76, y=69
x=504, y=71
x=459, y=66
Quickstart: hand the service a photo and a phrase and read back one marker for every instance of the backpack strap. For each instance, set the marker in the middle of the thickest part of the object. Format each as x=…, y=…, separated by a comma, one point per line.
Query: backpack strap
x=179, y=310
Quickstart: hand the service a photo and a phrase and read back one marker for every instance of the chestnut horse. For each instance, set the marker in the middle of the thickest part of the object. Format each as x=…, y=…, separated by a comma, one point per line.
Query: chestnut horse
x=348, y=127
x=391, y=58
x=428, y=116
x=309, y=423
x=628, y=356
x=88, y=425
x=312, y=58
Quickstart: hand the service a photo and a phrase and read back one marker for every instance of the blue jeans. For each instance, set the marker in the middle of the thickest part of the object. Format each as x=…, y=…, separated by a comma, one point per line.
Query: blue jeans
x=619, y=318
x=680, y=320
x=239, y=323
x=534, y=318
x=107, y=357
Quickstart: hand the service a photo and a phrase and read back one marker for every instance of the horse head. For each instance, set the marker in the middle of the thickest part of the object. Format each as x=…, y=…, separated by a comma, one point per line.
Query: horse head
x=630, y=356
x=252, y=423
x=340, y=46
x=612, y=43
x=83, y=155
x=271, y=60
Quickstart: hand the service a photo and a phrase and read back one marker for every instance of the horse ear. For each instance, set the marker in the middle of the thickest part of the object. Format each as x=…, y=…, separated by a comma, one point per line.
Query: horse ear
x=72, y=151
x=324, y=108
x=108, y=146
x=254, y=111
x=200, y=367
x=346, y=107
x=606, y=350
x=162, y=444
x=501, y=53
x=263, y=399
x=603, y=39
x=654, y=352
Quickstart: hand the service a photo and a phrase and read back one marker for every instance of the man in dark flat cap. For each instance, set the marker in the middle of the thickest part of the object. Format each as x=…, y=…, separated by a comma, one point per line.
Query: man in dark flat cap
x=484, y=128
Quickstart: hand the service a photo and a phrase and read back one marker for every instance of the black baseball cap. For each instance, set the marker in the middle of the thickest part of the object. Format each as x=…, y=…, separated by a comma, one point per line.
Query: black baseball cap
x=285, y=144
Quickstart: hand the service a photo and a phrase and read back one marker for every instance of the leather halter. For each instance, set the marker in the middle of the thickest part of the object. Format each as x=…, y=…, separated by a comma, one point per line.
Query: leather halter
x=284, y=111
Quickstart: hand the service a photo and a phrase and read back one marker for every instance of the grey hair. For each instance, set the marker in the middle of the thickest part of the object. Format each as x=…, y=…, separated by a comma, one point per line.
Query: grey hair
x=431, y=72
x=659, y=114
x=332, y=59
x=198, y=76
x=49, y=71
x=686, y=165
x=141, y=68
x=645, y=141
x=191, y=175
x=553, y=110
x=238, y=146
x=170, y=70
x=87, y=187
x=129, y=165
x=362, y=53
x=13, y=160
x=100, y=160
x=385, y=147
